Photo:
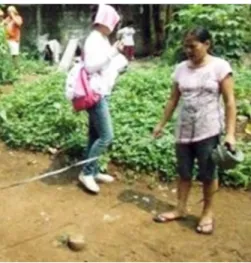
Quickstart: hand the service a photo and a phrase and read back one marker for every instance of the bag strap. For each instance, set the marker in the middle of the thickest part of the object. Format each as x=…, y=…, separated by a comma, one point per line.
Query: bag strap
x=82, y=80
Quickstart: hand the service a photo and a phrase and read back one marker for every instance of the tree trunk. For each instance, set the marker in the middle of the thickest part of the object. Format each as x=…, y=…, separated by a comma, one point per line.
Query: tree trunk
x=169, y=14
x=127, y=14
x=159, y=20
x=147, y=29
x=39, y=20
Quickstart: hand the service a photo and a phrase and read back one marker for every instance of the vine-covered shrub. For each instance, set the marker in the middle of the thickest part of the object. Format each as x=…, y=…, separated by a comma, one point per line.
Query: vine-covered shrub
x=228, y=24
x=7, y=72
x=37, y=116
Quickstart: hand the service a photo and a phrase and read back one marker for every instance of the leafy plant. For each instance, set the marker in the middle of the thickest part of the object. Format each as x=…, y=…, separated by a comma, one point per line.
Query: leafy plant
x=240, y=176
x=34, y=66
x=37, y=116
x=136, y=106
x=228, y=24
x=242, y=91
x=7, y=72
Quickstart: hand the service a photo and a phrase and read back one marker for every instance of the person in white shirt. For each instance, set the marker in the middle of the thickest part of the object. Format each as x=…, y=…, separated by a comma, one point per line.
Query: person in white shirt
x=99, y=58
x=127, y=36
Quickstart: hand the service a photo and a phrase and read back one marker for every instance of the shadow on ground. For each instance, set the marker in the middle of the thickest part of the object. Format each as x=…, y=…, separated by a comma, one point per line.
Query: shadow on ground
x=60, y=161
x=153, y=205
x=144, y=201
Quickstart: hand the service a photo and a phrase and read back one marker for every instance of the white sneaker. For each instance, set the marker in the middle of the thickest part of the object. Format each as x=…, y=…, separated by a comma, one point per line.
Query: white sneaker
x=104, y=178
x=89, y=183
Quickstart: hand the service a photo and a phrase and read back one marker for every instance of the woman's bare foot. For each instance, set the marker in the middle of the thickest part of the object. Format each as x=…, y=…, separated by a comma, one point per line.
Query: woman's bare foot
x=206, y=224
x=169, y=216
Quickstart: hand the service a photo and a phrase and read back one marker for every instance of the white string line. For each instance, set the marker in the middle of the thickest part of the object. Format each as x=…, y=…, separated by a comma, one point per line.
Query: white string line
x=48, y=174
x=36, y=178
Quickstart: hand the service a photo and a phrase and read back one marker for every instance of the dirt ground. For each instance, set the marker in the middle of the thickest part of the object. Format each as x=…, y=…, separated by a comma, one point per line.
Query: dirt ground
x=117, y=224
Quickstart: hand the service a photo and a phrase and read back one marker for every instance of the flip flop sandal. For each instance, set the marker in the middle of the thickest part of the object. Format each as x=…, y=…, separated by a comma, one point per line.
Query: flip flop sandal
x=162, y=219
x=199, y=228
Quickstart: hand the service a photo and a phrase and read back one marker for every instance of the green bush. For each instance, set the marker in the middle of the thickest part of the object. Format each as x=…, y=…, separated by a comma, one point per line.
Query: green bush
x=228, y=24
x=137, y=106
x=37, y=116
x=242, y=91
x=33, y=66
x=7, y=72
x=241, y=175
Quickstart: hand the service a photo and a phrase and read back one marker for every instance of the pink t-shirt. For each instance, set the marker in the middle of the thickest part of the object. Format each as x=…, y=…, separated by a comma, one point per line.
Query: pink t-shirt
x=201, y=113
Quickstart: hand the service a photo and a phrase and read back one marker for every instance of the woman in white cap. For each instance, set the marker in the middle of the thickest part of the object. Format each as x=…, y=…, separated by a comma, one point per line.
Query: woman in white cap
x=98, y=56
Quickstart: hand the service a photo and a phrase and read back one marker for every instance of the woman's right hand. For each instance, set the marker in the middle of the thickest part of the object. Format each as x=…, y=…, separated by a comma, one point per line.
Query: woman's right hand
x=158, y=130
x=119, y=46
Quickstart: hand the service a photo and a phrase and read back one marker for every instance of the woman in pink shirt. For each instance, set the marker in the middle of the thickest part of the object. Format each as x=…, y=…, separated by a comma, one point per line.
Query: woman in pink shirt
x=199, y=83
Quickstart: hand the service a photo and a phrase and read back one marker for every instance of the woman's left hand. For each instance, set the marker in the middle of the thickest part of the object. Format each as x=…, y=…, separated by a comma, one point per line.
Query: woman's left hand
x=230, y=139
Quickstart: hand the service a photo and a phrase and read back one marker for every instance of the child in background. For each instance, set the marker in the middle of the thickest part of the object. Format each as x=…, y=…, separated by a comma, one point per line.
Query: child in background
x=127, y=36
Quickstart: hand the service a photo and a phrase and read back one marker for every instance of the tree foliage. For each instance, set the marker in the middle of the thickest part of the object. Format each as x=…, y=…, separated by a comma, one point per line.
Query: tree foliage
x=228, y=24
x=37, y=116
x=7, y=73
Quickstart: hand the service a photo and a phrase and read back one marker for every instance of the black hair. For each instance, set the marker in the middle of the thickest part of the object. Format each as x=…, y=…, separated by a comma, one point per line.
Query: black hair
x=129, y=23
x=78, y=51
x=201, y=34
x=93, y=10
x=48, y=54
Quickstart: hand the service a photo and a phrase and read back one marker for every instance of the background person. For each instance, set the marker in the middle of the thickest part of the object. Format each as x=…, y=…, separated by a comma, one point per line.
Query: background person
x=127, y=36
x=13, y=24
